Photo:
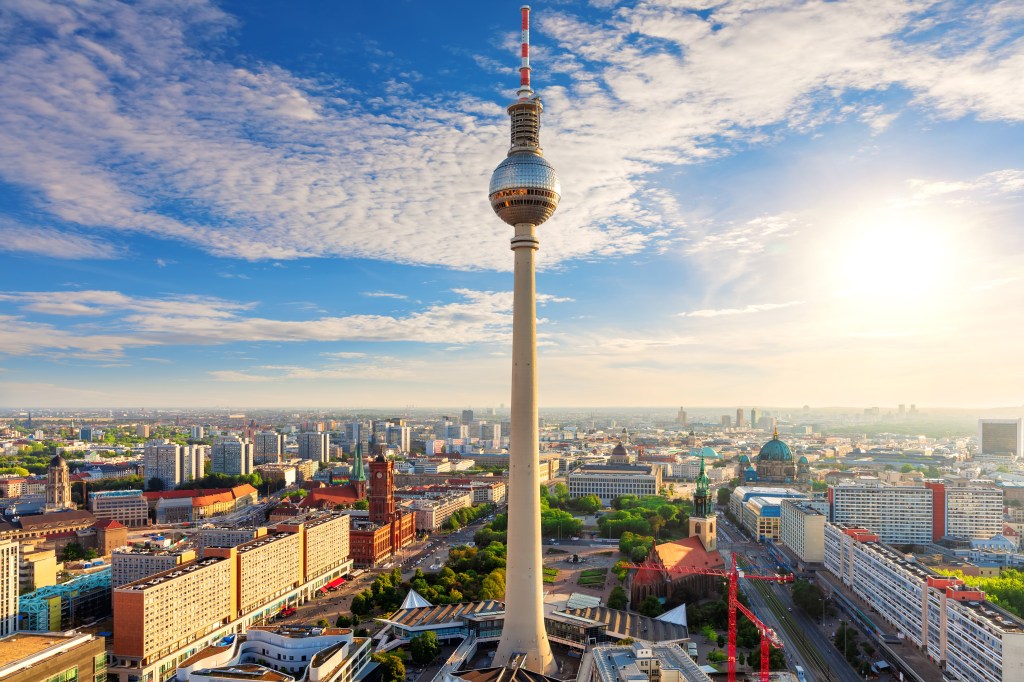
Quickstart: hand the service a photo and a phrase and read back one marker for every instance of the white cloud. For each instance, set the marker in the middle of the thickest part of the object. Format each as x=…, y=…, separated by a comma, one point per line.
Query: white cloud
x=384, y=294
x=116, y=115
x=54, y=243
x=746, y=310
x=476, y=317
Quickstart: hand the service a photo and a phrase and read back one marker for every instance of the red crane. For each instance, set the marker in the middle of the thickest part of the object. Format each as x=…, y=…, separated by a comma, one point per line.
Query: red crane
x=733, y=575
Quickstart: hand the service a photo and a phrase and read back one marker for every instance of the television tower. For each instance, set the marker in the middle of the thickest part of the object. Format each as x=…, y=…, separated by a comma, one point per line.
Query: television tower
x=524, y=192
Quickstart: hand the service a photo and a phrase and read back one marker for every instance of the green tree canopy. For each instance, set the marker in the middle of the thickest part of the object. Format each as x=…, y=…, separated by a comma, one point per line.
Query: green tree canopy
x=424, y=647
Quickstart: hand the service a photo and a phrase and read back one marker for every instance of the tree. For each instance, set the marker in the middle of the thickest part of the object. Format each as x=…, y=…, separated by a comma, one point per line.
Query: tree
x=361, y=504
x=392, y=667
x=724, y=494
x=906, y=469
x=650, y=607
x=588, y=504
x=343, y=622
x=424, y=647
x=360, y=605
x=72, y=552
x=323, y=623
x=617, y=599
x=155, y=483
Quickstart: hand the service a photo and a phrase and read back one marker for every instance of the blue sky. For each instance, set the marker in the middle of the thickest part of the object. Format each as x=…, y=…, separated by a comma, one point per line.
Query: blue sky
x=284, y=203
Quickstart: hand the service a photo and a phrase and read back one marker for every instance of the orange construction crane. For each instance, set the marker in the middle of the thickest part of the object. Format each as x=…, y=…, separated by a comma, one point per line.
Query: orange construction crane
x=733, y=575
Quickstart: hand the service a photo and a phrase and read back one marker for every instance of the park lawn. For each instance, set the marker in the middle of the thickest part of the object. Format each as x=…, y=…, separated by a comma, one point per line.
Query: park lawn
x=594, y=573
x=550, y=574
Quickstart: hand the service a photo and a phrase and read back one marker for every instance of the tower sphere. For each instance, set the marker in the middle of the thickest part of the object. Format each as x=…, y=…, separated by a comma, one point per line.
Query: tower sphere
x=524, y=189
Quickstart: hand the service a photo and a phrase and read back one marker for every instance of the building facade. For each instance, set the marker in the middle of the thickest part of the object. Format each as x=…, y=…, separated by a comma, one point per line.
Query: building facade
x=58, y=485
x=314, y=446
x=268, y=447
x=231, y=456
x=900, y=515
x=162, y=461
x=127, y=507
x=802, y=529
x=969, y=637
x=9, y=587
x=614, y=480
x=53, y=657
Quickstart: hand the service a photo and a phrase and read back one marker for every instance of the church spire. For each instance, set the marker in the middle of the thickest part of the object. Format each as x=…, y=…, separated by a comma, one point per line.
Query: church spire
x=358, y=472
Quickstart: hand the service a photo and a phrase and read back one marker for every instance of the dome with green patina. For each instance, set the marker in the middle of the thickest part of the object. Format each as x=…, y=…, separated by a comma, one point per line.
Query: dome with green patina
x=709, y=453
x=802, y=460
x=744, y=459
x=775, y=451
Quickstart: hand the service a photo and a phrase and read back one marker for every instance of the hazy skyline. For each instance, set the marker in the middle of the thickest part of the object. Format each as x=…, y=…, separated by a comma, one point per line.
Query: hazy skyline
x=284, y=203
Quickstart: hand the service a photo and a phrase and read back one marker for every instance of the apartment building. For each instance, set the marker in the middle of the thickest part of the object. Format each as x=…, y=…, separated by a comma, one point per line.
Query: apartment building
x=9, y=585
x=230, y=588
x=314, y=446
x=163, y=614
x=225, y=537
x=609, y=481
x=971, y=638
x=900, y=515
x=974, y=513
x=36, y=568
x=433, y=511
x=231, y=456
x=162, y=460
x=127, y=507
x=268, y=447
x=802, y=530
x=131, y=564
x=267, y=567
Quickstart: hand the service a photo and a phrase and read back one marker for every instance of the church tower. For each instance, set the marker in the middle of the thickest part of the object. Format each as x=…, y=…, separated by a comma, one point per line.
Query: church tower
x=58, y=485
x=358, y=476
x=704, y=519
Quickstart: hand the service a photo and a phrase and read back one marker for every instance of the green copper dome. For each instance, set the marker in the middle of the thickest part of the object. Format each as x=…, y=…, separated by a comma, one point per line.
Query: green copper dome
x=802, y=460
x=775, y=451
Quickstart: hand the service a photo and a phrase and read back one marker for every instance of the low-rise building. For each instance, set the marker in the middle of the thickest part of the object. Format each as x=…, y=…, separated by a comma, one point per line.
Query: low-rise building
x=127, y=507
x=31, y=657
x=609, y=481
x=642, y=662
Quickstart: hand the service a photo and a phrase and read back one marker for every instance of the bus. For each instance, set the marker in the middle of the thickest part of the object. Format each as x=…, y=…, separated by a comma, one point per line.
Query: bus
x=800, y=676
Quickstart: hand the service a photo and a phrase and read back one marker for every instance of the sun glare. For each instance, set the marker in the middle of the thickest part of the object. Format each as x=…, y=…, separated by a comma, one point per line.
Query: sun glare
x=894, y=258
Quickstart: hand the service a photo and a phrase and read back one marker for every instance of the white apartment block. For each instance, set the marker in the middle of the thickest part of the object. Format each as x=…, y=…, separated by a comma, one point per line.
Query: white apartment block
x=268, y=447
x=161, y=459
x=803, y=530
x=9, y=587
x=974, y=513
x=231, y=456
x=314, y=446
x=614, y=480
x=192, y=462
x=900, y=515
x=969, y=637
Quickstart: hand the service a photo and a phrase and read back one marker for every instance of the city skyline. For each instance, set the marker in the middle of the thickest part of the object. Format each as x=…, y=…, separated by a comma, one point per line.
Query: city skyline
x=213, y=205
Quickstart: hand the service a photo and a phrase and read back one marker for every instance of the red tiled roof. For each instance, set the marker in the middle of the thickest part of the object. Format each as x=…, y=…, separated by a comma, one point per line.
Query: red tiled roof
x=107, y=524
x=332, y=495
x=685, y=553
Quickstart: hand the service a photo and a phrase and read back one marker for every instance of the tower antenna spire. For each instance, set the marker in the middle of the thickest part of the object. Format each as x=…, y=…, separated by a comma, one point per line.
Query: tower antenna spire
x=525, y=91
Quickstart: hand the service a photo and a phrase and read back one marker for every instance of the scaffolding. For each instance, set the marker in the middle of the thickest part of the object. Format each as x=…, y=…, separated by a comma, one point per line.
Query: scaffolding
x=68, y=605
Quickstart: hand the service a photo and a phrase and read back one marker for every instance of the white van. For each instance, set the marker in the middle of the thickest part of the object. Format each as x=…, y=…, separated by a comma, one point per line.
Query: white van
x=691, y=649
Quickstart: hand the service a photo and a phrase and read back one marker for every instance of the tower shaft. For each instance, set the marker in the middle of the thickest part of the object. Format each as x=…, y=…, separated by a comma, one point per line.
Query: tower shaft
x=524, y=631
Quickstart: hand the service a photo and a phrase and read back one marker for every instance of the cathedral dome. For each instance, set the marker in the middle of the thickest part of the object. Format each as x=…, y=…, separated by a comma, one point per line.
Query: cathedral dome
x=58, y=461
x=708, y=453
x=802, y=460
x=775, y=451
x=744, y=459
x=619, y=451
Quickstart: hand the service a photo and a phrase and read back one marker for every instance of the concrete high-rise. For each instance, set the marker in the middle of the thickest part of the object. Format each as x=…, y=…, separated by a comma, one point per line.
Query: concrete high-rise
x=314, y=446
x=524, y=192
x=231, y=456
x=162, y=460
x=268, y=447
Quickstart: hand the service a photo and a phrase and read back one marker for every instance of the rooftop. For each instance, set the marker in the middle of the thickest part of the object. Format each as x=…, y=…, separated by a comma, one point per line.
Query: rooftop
x=246, y=671
x=25, y=644
x=425, y=616
x=171, y=574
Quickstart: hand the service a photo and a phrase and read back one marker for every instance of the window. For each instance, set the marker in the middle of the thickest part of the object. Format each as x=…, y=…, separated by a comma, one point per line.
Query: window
x=69, y=675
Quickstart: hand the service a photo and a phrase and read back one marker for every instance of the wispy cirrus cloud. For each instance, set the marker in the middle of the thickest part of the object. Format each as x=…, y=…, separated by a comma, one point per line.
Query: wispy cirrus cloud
x=745, y=310
x=385, y=294
x=51, y=243
x=474, y=317
x=123, y=117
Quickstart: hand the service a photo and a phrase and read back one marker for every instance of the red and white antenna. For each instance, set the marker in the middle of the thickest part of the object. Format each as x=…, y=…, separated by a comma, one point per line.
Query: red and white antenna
x=524, y=69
